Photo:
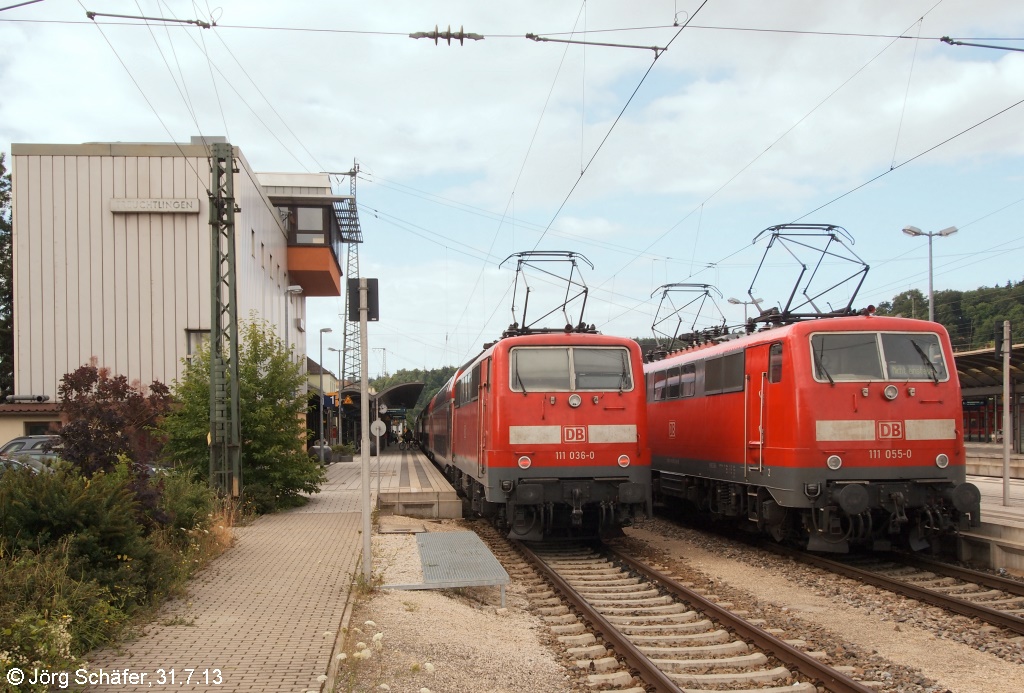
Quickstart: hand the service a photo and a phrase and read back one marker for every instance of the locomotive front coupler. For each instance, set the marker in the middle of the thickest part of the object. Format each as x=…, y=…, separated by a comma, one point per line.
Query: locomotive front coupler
x=577, y=508
x=899, y=512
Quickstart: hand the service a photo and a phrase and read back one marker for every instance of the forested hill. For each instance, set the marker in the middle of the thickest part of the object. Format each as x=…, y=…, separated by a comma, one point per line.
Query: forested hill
x=969, y=316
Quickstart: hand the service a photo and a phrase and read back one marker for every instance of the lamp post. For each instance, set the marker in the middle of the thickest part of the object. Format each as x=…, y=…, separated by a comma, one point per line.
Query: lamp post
x=338, y=379
x=737, y=302
x=914, y=231
x=293, y=290
x=320, y=442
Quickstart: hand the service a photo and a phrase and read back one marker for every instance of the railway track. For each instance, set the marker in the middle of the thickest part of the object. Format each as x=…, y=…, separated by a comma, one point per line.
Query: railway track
x=633, y=628
x=989, y=598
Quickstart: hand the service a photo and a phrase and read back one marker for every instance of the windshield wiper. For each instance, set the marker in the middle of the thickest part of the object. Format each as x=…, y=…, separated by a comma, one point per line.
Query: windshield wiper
x=519, y=379
x=624, y=374
x=927, y=361
x=821, y=367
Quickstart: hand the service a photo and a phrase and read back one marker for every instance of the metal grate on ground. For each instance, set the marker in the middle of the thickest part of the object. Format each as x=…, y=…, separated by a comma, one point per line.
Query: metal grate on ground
x=456, y=559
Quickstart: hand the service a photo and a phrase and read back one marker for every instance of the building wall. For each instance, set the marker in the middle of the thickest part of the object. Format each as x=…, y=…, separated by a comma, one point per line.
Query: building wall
x=127, y=288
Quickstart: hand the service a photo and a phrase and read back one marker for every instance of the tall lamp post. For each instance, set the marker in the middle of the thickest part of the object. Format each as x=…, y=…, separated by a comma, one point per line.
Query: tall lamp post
x=736, y=302
x=339, y=392
x=320, y=442
x=914, y=231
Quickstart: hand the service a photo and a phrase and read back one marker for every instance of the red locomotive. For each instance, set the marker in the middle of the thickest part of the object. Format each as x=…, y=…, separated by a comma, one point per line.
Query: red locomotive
x=835, y=431
x=544, y=432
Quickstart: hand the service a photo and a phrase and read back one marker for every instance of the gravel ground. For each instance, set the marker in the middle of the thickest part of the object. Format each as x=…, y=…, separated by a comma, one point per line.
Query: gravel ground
x=470, y=644
x=451, y=640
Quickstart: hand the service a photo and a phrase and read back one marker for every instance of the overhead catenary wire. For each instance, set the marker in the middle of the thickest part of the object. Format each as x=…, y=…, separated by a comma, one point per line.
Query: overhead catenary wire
x=181, y=87
x=764, y=151
x=522, y=168
x=614, y=123
x=148, y=102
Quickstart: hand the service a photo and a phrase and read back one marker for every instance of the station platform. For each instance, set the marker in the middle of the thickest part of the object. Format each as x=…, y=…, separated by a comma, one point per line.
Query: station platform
x=270, y=614
x=986, y=459
x=999, y=542
x=406, y=483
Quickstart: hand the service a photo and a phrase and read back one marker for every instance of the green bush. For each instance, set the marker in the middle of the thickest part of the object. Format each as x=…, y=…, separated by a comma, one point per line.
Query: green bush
x=96, y=518
x=189, y=503
x=276, y=469
x=46, y=616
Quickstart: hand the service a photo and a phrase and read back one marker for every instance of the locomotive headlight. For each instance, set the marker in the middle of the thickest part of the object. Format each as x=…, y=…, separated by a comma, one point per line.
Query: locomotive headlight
x=623, y=460
x=834, y=462
x=890, y=392
x=524, y=462
x=942, y=460
x=575, y=400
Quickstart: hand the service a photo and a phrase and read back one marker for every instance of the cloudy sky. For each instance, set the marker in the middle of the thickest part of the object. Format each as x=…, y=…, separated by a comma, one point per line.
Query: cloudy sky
x=656, y=170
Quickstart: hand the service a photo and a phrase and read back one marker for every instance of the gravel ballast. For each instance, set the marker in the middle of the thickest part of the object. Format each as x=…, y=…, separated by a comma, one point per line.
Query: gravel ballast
x=471, y=644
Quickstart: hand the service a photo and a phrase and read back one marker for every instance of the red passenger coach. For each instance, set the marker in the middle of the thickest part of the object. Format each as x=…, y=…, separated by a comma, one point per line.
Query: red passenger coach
x=835, y=432
x=545, y=433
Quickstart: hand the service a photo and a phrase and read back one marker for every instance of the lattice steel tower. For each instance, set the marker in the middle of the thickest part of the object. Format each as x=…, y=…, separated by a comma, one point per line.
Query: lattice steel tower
x=351, y=234
x=225, y=433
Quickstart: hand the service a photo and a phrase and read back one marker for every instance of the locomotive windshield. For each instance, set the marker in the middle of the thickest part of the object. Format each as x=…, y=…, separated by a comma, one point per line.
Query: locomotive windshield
x=535, y=369
x=898, y=356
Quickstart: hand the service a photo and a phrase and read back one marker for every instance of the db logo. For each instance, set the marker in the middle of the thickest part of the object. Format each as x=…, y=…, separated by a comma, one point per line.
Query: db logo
x=890, y=429
x=574, y=434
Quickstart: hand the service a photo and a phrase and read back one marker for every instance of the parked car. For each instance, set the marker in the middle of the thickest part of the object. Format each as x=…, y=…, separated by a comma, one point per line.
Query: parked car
x=12, y=464
x=31, y=451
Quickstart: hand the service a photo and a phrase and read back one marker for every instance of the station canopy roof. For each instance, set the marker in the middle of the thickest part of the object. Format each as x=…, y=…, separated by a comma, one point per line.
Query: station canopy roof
x=401, y=397
x=981, y=373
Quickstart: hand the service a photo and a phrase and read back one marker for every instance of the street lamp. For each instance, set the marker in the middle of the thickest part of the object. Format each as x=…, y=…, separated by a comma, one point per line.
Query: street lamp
x=321, y=408
x=736, y=302
x=914, y=231
x=338, y=440
x=293, y=290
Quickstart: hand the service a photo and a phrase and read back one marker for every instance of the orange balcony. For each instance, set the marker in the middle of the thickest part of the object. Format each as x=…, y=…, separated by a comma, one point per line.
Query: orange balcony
x=318, y=226
x=315, y=270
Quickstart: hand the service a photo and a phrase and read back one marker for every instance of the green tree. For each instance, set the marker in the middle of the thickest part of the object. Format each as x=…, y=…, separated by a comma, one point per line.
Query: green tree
x=275, y=466
x=6, y=285
x=909, y=304
x=432, y=379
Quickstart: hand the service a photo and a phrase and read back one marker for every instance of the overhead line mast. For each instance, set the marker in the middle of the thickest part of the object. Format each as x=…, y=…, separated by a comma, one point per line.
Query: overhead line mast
x=352, y=235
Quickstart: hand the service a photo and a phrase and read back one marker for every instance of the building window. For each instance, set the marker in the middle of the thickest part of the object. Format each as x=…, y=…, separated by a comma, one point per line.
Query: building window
x=195, y=340
x=41, y=428
x=310, y=225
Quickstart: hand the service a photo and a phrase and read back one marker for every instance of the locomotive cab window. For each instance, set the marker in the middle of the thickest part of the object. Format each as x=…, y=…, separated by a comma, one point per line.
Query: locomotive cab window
x=569, y=368
x=601, y=369
x=853, y=356
x=913, y=357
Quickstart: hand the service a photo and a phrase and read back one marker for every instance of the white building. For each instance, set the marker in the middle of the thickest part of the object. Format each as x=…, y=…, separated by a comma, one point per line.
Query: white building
x=112, y=258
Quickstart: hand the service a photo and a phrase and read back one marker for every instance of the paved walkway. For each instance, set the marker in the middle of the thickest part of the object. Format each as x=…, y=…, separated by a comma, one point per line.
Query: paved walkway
x=265, y=614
